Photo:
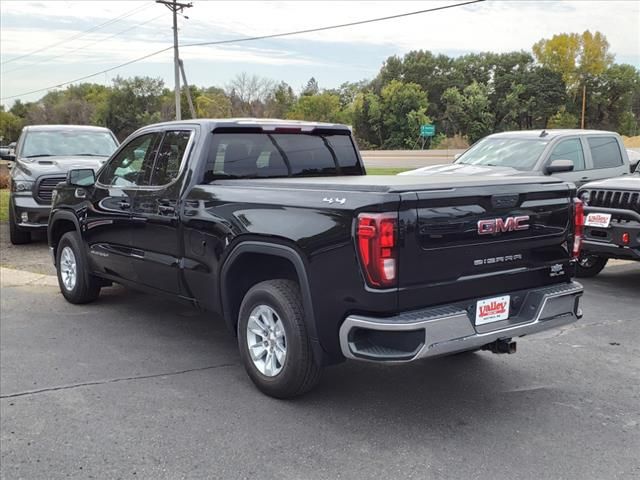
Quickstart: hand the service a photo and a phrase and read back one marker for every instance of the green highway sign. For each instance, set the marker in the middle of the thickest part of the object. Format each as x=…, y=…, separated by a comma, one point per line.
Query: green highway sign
x=427, y=130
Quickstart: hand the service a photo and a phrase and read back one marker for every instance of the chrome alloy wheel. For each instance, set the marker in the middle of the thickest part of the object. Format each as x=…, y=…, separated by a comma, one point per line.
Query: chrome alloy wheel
x=266, y=340
x=68, y=268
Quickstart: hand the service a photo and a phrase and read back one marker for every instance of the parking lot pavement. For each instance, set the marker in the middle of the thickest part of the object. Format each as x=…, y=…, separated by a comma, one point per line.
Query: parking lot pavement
x=137, y=387
x=32, y=257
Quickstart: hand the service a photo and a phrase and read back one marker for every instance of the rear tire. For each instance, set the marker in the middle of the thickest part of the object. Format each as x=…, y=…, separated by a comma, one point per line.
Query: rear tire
x=17, y=236
x=77, y=285
x=590, y=265
x=272, y=337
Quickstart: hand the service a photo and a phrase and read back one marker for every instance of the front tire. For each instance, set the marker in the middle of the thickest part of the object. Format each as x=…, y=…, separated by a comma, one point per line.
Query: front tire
x=273, y=341
x=76, y=283
x=17, y=236
x=590, y=265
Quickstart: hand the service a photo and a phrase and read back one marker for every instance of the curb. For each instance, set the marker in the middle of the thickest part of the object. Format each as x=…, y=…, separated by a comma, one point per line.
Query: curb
x=18, y=278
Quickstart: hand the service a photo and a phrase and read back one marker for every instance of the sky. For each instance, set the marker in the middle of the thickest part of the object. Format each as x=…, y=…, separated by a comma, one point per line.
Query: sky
x=63, y=40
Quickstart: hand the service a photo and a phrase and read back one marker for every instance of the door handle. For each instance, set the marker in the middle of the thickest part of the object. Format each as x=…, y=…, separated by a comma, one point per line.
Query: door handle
x=166, y=209
x=584, y=178
x=124, y=205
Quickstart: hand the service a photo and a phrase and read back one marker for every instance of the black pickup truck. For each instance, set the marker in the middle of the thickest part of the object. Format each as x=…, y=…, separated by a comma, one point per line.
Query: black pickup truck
x=275, y=226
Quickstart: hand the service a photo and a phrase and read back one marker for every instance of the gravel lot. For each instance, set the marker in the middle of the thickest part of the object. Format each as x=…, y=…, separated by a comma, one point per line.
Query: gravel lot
x=136, y=387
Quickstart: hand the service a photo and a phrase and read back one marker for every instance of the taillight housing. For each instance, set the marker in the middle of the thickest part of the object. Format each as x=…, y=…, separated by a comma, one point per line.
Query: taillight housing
x=626, y=238
x=578, y=231
x=377, y=242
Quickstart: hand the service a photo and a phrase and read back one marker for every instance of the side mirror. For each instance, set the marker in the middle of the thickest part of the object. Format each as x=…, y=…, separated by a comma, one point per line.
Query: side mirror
x=559, y=165
x=81, y=177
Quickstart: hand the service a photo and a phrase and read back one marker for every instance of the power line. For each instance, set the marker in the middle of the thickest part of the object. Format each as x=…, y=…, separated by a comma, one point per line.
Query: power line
x=331, y=27
x=246, y=39
x=78, y=35
x=67, y=52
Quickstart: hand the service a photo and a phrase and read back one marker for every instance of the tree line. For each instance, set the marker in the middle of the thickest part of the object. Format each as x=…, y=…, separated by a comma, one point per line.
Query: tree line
x=466, y=97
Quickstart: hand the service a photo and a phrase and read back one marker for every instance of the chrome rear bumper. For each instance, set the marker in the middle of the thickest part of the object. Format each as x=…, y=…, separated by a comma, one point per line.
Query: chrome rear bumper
x=449, y=329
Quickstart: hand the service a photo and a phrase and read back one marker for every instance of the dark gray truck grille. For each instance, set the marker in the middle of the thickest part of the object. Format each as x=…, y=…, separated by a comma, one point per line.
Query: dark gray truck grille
x=615, y=199
x=45, y=186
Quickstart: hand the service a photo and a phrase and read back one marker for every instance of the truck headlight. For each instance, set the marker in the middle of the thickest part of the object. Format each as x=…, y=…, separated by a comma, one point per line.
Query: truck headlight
x=585, y=196
x=22, y=185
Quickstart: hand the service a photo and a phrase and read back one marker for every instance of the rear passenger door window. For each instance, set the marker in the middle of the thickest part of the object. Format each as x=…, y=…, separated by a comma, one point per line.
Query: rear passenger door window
x=605, y=152
x=570, y=149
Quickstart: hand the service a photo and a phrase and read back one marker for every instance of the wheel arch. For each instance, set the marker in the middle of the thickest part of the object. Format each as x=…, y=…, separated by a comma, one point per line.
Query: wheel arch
x=284, y=261
x=61, y=222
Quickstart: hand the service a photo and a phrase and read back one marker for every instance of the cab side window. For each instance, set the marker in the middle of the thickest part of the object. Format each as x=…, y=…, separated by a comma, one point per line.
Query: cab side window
x=569, y=150
x=605, y=152
x=133, y=165
x=170, y=155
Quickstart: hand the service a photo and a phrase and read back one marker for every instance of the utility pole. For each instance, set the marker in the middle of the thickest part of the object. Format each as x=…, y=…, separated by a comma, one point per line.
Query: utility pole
x=186, y=86
x=176, y=8
x=584, y=104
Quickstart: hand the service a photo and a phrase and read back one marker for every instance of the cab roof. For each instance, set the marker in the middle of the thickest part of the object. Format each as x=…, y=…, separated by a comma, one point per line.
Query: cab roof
x=265, y=123
x=51, y=128
x=549, y=133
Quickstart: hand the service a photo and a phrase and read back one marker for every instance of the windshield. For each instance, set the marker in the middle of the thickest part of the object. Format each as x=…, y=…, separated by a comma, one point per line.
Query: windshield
x=267, y=155
x=521, y=154
x=65, y=143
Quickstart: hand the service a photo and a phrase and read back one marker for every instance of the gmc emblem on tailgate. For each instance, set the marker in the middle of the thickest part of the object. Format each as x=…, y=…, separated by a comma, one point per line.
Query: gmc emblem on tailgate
x=498, y=225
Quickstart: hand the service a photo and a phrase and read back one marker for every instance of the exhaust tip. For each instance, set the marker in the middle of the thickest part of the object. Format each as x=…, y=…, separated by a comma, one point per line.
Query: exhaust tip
x=501, y=346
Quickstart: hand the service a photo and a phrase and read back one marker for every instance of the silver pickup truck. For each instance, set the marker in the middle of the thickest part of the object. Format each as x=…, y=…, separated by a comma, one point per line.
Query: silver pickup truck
x=577, y=156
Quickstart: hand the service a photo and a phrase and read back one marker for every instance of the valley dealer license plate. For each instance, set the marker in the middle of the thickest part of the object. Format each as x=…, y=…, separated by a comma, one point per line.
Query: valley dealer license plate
x=601, y=220
x=492, y=310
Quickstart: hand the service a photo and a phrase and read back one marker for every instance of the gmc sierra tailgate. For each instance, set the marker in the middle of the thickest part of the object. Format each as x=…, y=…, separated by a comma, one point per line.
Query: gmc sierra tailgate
x=483, y=240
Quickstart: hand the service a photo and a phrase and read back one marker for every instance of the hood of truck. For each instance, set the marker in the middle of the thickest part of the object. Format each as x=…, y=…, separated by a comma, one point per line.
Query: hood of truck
x=53, y=165
x=626, y=182
x=464, y=169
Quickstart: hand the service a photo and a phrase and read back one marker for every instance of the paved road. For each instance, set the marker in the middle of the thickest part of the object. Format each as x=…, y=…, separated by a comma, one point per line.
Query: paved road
x=407, y=158
x=137, y=387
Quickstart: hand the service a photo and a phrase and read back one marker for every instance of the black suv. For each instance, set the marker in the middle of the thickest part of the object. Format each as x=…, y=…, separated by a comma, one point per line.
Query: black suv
x=611, y=222
x=44, y=154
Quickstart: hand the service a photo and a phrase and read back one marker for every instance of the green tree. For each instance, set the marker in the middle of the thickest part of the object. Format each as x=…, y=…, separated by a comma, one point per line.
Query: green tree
x=280, y=101
x=580, y=58
x=628, y=124
x=311, y=88
x=133, y=103
x=10, y=127
x=403, y=108
x=20, y=109
x=469, y=112
x=367, y=120
x=212, y=103
x=611, y=95
x=547, y=93
x=324, y=107
x=563, y=119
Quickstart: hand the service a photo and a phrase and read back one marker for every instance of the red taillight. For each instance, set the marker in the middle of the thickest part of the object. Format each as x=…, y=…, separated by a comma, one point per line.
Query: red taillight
x=578, y=211
x=376, y=238
x=626, y=238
